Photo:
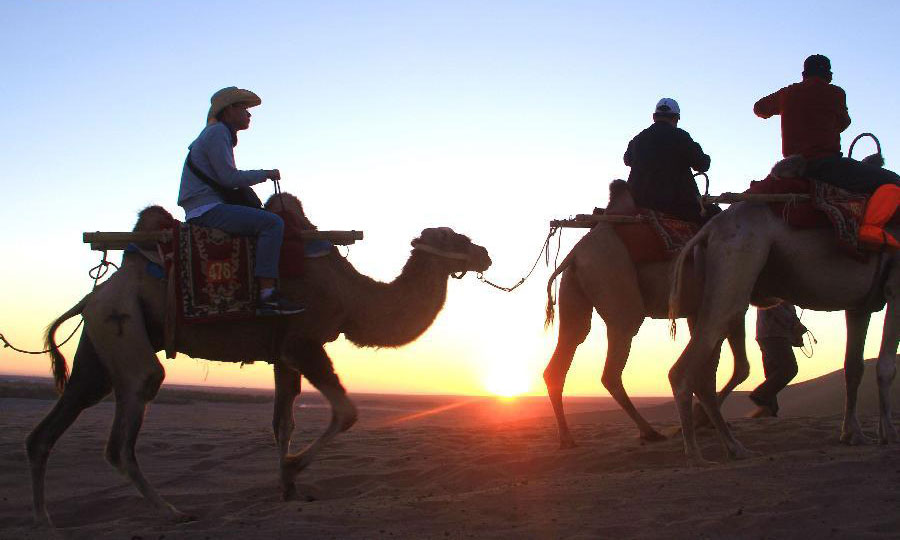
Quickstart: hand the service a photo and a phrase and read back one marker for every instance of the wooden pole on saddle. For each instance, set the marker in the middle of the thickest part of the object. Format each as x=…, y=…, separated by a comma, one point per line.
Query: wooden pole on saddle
x=731, y=198
x=587, y=221
x=111, y=241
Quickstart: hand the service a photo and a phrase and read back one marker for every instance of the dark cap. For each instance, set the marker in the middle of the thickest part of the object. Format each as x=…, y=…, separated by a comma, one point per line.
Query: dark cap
x=817, y=64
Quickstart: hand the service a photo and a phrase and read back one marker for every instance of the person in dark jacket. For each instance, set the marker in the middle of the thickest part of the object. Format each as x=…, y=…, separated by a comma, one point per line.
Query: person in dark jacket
x=661, y=158
x=813, y=116
x=777, y=330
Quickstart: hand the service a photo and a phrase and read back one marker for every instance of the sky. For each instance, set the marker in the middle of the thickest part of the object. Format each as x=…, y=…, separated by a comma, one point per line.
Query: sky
x=490, y=117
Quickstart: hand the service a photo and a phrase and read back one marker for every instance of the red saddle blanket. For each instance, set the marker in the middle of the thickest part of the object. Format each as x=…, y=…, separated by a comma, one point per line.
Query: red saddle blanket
x=832, y=205
x=213, y=275
x=214, y=272
x=660, y=237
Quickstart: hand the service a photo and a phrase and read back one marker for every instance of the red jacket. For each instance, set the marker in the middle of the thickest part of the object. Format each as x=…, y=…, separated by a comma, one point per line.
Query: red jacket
x=813, y=115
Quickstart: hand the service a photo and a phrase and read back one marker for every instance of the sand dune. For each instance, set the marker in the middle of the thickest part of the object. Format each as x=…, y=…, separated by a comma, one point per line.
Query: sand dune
x=480, y=468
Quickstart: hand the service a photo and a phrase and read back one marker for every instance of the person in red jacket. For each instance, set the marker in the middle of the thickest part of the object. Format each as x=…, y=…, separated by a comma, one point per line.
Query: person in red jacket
x=813, y=115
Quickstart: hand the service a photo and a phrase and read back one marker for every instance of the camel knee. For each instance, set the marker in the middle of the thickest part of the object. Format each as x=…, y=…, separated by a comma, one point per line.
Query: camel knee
x=612, y=380
x=885, y=374
x=555, y=378
x=36, y=448
x=151, y=383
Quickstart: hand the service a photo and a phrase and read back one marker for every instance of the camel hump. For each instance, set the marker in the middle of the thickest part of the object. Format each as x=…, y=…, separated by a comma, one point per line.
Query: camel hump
x=621, y=203
x=154, y=218
x=793, y=166
x=290, y=209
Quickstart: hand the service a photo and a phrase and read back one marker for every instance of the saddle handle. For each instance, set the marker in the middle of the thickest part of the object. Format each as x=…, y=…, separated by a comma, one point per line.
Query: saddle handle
x=860, y=136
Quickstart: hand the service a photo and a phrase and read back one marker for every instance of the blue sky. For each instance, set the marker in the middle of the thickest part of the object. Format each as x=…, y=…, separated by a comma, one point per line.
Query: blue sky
x=489, y=117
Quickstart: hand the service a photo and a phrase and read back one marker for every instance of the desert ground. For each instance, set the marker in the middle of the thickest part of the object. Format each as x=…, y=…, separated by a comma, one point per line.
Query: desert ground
x=457, y=467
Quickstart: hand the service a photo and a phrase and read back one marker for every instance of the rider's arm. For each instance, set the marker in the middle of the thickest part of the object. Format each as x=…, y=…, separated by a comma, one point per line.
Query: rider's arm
x=843, y=113
x=768, y=106
x=697, y=159
x=221, y=159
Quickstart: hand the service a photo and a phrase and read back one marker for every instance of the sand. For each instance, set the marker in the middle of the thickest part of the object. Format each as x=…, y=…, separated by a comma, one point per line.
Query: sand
x=481, y=468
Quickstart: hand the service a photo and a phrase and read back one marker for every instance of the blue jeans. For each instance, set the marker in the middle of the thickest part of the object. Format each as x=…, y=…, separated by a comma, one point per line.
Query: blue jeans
x=267, y=227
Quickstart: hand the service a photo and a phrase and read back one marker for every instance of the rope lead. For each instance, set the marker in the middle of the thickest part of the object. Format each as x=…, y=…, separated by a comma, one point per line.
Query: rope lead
x=545, y=251
x=96, y=273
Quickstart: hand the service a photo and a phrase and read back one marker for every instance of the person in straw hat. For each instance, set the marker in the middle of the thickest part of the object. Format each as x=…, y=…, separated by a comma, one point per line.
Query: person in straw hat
x=215, y=193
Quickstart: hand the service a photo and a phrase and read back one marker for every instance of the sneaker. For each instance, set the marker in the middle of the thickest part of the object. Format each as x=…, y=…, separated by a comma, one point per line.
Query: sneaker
x=275, y=304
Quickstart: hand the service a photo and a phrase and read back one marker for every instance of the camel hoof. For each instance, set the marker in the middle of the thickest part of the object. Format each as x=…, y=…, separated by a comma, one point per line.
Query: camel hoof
x=565, y=444
x=743, y=453
x=652, y=436
x=855, y=438
x=699, y=462
x=43, y=521
x=762, y=412
x=348, y=423
x=180, y=517
x=289, y=492
x=887, y=433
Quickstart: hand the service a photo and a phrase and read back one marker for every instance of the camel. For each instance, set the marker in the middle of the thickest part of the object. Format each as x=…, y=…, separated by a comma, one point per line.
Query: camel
x=599, y=274
x=748, y=255
x=123, y=330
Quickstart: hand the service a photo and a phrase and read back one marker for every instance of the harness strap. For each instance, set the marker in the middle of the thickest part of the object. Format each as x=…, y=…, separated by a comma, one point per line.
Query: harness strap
x=439, y=252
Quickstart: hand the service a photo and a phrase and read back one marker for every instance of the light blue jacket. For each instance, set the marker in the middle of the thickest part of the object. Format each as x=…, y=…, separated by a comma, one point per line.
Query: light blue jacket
x=213, y=153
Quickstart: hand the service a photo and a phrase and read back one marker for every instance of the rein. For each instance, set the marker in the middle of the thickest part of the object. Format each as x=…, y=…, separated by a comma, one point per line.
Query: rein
x=96, y=273
x=545, y=251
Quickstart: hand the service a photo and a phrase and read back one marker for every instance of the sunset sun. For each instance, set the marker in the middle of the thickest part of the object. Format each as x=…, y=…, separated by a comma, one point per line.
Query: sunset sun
x=505, y=380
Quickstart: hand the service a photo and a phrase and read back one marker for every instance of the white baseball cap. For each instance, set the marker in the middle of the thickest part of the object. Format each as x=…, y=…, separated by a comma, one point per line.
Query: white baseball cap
x=667, y=106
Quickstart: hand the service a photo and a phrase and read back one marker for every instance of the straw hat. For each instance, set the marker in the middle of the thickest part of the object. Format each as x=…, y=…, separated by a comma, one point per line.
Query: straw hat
x=229, y=96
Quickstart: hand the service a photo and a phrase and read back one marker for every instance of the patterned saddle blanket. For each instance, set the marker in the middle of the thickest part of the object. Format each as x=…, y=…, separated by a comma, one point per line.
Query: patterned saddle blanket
x=658, y=238
x=213, y=272
x=829, y=205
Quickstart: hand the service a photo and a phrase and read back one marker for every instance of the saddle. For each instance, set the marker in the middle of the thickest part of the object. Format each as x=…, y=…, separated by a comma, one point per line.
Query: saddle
x=657, y=237
x=828, y=205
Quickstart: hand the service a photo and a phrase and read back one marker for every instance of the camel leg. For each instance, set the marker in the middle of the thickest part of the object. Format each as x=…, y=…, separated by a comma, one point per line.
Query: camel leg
x=574, y=324
x=727, y=288
x=616, y=357
x=738, y=344
x=120, y=338
x=287, y=388
x=886, y=369
x=88, y=385
x=313, y=362
x=857, y=325
x=704, y=386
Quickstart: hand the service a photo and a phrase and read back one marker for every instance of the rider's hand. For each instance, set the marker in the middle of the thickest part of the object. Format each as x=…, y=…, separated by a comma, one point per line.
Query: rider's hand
x=274, y=174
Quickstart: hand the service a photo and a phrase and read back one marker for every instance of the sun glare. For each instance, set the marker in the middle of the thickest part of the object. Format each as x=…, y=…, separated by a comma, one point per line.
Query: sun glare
x=505, y=380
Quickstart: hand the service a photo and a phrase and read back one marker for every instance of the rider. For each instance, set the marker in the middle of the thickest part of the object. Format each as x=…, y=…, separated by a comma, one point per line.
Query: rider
x=813, y=115
x=777, y=330
x=661, y=158
x=209, y=175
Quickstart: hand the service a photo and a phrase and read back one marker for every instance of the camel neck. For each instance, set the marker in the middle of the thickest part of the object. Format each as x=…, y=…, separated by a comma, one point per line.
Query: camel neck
x=398, y=312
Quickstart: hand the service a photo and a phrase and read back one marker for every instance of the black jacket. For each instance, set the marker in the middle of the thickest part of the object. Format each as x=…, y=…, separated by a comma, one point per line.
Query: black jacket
x=661, y=158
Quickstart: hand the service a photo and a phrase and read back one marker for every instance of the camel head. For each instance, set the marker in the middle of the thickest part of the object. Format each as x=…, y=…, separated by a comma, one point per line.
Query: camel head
x=458, y=252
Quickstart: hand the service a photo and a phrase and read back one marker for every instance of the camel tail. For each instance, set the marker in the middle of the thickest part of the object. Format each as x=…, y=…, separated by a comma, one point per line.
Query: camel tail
x=550, y=310
x=58, y=362
x=678, y=277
